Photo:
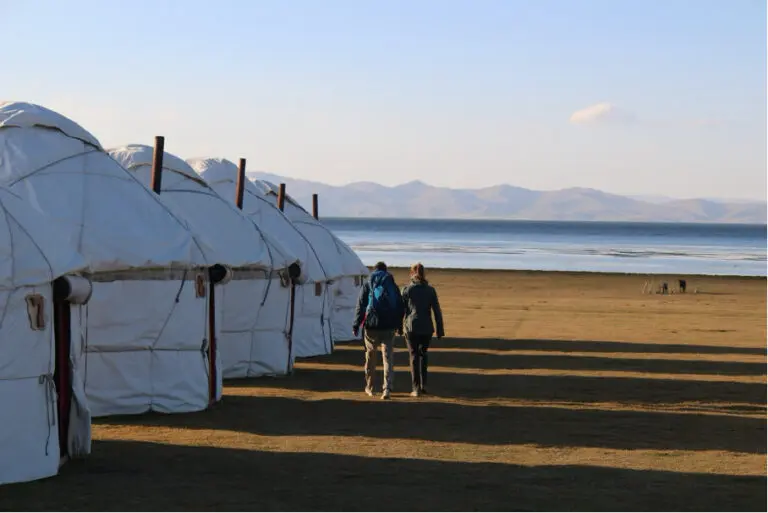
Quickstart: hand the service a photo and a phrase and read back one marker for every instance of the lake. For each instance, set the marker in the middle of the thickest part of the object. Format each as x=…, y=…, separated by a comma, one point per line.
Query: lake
x=652, y=248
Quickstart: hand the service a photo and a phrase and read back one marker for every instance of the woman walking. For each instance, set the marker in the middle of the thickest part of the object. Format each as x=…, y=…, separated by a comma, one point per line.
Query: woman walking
x=420, y=301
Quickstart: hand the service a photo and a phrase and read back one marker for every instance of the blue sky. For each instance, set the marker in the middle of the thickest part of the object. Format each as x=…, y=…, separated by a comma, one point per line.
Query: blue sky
x=629, y=96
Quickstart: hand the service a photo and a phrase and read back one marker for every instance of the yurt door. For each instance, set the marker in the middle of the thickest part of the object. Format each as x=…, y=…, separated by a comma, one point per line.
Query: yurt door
x=62, y=375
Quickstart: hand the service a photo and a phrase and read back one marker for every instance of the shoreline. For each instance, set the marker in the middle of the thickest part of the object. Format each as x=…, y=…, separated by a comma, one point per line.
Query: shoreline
x=534, y=272
x=548, y=221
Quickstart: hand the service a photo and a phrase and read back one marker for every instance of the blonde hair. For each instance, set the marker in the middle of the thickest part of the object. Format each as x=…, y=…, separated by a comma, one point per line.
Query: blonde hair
x=417, y=271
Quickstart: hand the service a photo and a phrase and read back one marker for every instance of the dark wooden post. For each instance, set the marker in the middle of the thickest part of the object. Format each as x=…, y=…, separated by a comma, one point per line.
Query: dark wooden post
x=314, y=206
x=62, y=330
x=281, y=197
x=240, y=187
x=212, y=377
x=291, y=321
x=157, y=163
x=281, y=206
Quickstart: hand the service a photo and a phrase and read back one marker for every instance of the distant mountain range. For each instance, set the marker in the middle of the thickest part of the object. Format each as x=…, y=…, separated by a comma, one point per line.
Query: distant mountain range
x=419, y=200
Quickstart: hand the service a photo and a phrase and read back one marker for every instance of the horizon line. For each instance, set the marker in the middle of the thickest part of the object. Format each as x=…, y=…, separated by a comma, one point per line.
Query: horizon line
x=636, y=197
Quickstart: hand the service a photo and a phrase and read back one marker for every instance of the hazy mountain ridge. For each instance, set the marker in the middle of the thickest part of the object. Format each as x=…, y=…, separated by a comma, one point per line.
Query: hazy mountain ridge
x=417, y=199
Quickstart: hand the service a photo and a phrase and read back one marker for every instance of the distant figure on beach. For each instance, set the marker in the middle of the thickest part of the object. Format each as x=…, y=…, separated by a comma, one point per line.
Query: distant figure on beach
x=420, y=300
x=682, y=285
x=380, y=313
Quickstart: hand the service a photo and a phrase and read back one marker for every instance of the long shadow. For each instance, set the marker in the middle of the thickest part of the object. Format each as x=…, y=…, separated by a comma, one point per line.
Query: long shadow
x=482, y=425
x=584, y=346
x=139, y=476
x=571, y=389
x=354, y=355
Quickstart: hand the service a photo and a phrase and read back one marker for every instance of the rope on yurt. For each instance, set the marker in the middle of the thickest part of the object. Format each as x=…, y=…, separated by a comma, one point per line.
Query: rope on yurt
x=204, y=346
x=288, y=331
x=156, y=198
x=84, y=354
x=322, y=322
x=50, y=403
x=9, y=217
x=165, y=324
x=45, y=379
x=55, y=162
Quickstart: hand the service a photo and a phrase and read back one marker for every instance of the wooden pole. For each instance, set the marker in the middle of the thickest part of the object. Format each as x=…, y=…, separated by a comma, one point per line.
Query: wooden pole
x=240, y=187
x=157, y=163
x=212, y=377
x=294, y=272
x=314, y=206
x=62, y=329
x=281, y=206
x=291, y=320
x=281, y=197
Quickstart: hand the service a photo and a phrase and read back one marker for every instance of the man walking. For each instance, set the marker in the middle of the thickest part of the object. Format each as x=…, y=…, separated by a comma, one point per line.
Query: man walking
x=380, y=312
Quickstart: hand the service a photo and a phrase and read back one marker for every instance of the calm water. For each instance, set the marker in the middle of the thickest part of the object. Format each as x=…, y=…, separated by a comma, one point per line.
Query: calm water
x=559, y=246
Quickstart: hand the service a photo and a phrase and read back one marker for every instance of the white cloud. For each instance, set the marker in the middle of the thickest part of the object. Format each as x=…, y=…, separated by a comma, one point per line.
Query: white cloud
x=601, y=113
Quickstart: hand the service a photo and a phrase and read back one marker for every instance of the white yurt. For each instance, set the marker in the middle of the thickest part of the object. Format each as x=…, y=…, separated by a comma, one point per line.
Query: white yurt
x=149, y=271
x=251, y=335
x=347, y=268
x=310, y=329
x=45, y=414
x=345, y=292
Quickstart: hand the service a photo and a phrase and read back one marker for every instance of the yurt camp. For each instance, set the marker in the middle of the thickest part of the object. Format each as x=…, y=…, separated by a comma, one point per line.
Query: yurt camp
x=347, y=268
x=254, y=265
x=45, y=414
x=149, y=271
x=305, y=298
x=344, y=293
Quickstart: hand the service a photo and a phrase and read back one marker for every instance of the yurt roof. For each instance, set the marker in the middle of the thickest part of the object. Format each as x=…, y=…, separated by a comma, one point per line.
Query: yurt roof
x=235, y=238
x=221, y=175
x=332, y=251
x=29, y=115
x=57, y=166
x=34, y=248
x=273, y=189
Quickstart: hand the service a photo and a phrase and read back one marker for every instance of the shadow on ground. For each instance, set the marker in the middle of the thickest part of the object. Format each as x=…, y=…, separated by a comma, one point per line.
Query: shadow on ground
x=585, y=346
x=572, y=389
x=444, y=357
x=734, y=426
x=406, y=418
x=138, y=476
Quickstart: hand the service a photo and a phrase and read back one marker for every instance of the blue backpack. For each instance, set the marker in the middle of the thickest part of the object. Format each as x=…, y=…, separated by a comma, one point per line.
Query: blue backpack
x=383, y=308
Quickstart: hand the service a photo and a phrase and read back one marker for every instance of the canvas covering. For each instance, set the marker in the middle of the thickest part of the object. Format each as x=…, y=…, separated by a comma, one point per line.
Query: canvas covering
x=252, y=332
x=343, y=265
x=34, y=251
x=274, y=318
x=140, y=355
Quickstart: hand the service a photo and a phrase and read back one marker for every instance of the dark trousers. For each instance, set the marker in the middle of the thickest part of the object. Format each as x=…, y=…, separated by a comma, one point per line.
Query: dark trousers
x=418, y=345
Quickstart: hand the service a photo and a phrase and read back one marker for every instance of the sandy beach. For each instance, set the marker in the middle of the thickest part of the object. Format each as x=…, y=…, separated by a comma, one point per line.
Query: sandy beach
x=559, y=391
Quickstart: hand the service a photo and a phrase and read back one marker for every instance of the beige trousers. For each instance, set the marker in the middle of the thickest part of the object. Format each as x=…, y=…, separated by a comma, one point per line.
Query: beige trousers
x=385, y=339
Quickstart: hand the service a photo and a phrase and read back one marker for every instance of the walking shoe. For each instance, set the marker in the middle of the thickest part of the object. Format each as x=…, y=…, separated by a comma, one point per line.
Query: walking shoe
x=415, y=393
x=385, y=395
x=423, y=391
x=369, y=392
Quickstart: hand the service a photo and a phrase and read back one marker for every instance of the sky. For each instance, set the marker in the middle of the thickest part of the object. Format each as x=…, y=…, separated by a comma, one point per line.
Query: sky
x=661, y=97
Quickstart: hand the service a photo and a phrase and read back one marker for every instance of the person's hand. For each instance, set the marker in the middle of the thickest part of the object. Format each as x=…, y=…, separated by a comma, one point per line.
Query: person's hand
x=399, y=332
x=355, y=331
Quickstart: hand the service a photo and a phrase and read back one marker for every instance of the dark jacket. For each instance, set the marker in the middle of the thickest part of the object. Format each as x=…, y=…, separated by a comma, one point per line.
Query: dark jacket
x=378, y=322
x=420, y=300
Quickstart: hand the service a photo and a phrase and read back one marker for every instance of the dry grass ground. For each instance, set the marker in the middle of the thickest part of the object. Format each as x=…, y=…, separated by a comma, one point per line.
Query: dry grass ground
x=555, y=391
